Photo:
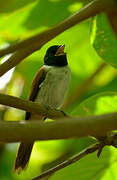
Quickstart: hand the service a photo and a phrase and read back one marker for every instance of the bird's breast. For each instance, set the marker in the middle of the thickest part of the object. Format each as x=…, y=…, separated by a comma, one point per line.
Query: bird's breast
x=53, y=89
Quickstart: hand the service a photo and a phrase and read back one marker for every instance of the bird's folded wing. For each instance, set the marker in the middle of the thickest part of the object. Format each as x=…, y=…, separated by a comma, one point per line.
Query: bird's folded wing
x=38, y=79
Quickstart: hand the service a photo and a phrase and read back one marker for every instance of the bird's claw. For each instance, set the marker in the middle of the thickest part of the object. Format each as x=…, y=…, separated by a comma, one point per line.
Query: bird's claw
x=47, y=107
x=63, y=113
x=100, y=149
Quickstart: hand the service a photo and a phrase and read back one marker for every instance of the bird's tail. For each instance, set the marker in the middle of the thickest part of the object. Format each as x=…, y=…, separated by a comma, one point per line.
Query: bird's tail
x=23, y=156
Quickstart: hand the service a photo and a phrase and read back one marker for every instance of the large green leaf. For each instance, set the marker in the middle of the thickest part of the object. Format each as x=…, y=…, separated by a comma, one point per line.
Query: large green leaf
x=91, y=167
x=104, y=40
x=35, y=16
x=12, y=5
x=98, y=104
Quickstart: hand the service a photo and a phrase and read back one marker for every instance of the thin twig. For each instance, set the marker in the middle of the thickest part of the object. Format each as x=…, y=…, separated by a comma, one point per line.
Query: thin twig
x=110, y=139
x=34, y=43
x=69, y=161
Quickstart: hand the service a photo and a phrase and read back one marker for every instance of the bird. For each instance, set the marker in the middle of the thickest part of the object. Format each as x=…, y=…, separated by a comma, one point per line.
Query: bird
x=49, y=88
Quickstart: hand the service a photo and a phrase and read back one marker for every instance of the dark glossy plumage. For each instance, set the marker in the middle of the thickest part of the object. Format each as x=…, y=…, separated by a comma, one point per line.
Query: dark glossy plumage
x=51, y=59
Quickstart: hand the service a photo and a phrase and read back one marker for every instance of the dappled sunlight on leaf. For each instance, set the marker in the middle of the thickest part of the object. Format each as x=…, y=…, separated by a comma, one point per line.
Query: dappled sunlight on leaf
x=104, y=40
x=90, y=167
x=13, y=5
x=98, y=104
x=75, y=6
x=49, y=19
x=13, y=31
x=108, y=74
x=47, y=151
x=106, y=104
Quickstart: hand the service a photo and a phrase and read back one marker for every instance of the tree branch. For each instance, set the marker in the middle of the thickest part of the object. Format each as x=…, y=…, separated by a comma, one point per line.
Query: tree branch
x=69, y=161
x=28, y=46
x=62, y=129
x=66, y=127
x=30, y=106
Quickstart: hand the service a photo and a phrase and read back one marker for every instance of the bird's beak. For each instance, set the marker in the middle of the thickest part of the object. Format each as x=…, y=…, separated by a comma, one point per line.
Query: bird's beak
x=60, y=50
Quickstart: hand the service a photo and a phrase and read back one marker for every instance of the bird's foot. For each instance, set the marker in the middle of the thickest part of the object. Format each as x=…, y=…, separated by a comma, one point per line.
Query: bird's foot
x=47, y=107
x=63, y=113
x=109, y=140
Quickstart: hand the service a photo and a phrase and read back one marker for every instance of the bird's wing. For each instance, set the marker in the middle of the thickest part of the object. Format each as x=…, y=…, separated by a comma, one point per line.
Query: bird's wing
x=38, y=79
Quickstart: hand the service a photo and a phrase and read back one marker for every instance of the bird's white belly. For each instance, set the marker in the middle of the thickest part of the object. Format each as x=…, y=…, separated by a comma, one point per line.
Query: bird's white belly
x=53, y=89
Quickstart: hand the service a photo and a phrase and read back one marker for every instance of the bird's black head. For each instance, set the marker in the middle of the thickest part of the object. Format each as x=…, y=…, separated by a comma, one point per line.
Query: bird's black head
x=55, y=56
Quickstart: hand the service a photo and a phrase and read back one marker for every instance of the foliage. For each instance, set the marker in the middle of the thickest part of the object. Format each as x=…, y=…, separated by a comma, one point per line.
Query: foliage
x=102, y=37
x=22, y=19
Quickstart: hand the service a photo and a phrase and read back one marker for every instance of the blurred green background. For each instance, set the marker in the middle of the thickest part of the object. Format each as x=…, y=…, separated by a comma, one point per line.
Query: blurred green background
x=92, y=93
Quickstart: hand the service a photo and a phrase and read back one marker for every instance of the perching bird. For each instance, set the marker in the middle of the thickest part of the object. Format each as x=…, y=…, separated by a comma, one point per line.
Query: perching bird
x=49, y=88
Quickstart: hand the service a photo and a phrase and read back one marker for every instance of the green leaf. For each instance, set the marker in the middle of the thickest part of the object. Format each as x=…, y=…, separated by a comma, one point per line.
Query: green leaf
x=104, y=40
x=98, y=104
x=32, y=16
x=91, y=167
x=12, y=5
